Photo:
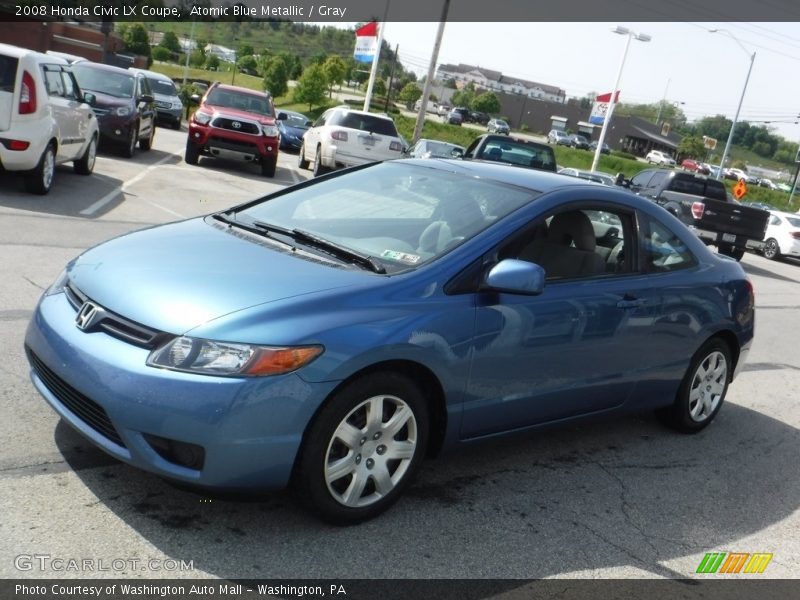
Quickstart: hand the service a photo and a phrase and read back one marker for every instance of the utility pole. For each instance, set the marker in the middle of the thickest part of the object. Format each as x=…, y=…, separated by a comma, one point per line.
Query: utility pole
x=431, y=70
x=374, y=71
x=391, y=79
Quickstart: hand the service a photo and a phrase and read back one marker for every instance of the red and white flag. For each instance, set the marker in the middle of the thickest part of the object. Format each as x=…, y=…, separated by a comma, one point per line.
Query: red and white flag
x=600, y=108
x=366, y=42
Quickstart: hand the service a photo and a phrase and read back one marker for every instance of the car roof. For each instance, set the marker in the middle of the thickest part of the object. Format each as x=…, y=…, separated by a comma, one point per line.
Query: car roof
x=151, y=74
x=362, y=112
x=18, y=52
x=782, y=213
x=101, y=67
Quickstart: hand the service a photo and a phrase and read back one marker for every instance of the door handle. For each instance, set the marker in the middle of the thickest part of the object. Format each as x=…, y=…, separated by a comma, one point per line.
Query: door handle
x=631, y=303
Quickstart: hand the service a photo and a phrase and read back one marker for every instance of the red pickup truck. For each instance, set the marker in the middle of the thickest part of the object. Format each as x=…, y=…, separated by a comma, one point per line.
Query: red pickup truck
x=234, y=123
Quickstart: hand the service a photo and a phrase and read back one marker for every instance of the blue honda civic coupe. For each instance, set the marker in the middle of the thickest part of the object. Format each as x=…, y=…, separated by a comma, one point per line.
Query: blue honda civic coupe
x=331, y=335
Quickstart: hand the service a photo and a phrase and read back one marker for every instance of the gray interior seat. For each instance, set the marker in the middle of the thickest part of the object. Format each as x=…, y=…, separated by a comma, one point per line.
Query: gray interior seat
x=569, y=249
x=454, y=219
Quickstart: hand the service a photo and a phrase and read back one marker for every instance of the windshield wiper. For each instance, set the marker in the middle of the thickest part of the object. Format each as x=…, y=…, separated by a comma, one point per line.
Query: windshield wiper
x=332, y=248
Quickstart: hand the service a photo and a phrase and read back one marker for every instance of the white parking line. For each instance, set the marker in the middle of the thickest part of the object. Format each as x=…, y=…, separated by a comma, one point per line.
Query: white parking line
x=90, y=210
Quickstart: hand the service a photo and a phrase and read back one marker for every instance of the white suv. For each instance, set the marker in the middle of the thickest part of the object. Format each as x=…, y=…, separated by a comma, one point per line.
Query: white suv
x=659, y=158
x=343, y=137
x=44, y=118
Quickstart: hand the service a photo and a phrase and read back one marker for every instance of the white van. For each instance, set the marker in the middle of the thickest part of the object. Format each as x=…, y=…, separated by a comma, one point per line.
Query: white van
x=45, y=119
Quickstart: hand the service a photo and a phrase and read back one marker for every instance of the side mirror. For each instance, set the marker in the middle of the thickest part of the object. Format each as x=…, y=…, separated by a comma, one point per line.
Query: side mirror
x=89, y=98
x=621, y=181
x=457, y=153
x=194, y=98
x=514, y=276
x=282, y=116
x=146, y=98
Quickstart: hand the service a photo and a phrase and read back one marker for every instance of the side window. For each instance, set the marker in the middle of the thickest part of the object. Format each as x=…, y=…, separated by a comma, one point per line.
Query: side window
x=774, y=220
x=663, y=250
x=70, y=85
x=470, y=153
x=590, y=242
x=640, y=180
x=322, y=120
x=53, y=82
x=658, y=179
x=146, y=89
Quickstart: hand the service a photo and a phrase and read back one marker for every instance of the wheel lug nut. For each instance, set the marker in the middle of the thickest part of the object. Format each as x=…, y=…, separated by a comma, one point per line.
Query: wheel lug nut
x=370, y=463
x=380, y=449
x=363, y=441
x=358, y=459
x=376, y=436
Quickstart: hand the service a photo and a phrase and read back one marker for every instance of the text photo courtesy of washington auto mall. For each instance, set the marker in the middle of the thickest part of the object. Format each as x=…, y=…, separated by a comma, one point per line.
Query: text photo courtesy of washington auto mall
x=375, y=299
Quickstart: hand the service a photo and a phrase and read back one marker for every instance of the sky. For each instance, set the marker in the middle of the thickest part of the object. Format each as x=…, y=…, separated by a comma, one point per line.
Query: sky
x=684, y=62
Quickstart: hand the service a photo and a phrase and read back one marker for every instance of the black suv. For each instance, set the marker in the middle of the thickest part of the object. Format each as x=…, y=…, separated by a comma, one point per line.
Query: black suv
x=512, y=151
x=124, y=104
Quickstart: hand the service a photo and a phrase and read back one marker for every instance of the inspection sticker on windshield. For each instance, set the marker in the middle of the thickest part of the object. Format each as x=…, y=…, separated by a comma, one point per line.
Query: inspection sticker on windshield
x=410, y=259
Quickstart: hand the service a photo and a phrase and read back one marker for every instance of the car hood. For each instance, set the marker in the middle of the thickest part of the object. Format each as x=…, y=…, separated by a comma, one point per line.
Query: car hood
x=295, y=131
x=240, y=114
x=176, y=277
x=108, y=101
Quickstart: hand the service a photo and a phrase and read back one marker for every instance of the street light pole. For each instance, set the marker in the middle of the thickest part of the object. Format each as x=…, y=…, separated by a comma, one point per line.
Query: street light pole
x=741, y=99
x=642, y=37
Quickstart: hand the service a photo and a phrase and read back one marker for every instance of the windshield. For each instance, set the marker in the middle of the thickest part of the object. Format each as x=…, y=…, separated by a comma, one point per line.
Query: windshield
x=401, y=214
x=298, y=121
x=111, y=83
x=240, y=101
x=162, y=86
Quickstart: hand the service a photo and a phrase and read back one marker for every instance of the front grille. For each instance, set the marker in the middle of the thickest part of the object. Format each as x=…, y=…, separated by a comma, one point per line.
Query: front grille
x=236, y=125
x=235, y=145
x=84, y=408
x=115, y=325
x=162, y=104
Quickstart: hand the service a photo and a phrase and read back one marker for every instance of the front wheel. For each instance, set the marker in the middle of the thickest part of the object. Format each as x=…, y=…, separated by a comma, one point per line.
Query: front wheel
x=702, y=390
x=192, y=154
x=130, y=146
x=147, y=142
x=363, y=448
x=302, y=162
x=268, y=165
x=772, y=250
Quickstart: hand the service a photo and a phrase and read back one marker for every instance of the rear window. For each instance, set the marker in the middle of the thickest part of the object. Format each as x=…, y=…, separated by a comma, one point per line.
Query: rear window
x=8, y=73
x=363, y=122
x=520, y=154
x=708, y=188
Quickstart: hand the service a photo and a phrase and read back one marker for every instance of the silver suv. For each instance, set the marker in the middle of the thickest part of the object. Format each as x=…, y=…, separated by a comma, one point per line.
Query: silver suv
x=343, y=137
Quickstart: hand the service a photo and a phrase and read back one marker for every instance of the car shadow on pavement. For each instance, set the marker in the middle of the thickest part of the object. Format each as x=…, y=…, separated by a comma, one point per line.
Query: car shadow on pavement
x=626, y=493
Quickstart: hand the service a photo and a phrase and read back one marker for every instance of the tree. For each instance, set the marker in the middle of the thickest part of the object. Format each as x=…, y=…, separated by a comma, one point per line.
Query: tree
x=198, y=58
x=464, y=97
x=335, y=69
x=410, y=93
x=212, y=62
x=245, y=50
x=691, y=146
x=248, y=64
x=311, y=87
x=487, y=102
x=378, y=88
x=276, y=76
x=137, y=41
x=161, y=54
x=170, y=42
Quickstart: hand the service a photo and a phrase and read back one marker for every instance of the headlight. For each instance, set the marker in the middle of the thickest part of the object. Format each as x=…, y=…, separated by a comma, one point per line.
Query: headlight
x=270, y=130
x=58, y=285
x=122, y=111
x=202, y=117
x=207, y=357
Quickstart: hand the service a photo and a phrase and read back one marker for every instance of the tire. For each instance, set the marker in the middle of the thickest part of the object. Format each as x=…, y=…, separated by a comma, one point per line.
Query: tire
x=302, y=163
x=130, y=146
x=85, y=164
x=268, y=166
x=192, y=154
x=772, y=249
x=176, y=125
x=702, y=391
x=147, y=143
x=319, y=168
x=353, y=467
x=732, y=251
x=40, y=179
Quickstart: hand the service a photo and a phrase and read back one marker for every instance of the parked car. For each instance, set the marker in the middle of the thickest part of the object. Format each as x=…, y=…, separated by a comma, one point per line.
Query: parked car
x=767, y=183
x=657, y=157
x=761, y=205
x=425, y=148
x=234, y=123
x=578, y=141
x=454, y=117
x=124, y=105
x=332, y=335
x=689, y=164
x=703, y=169
x=45, y=118
x=292, y=126
x=498, y=126
x=512, y=151
x=596, y=176
x=464, y=112
x=343, y=137
x=604, y=150
x=782, y=237
x=442, y=110
x=476, y=116
x=169, y=107
x=558, y=137
x=784, y=187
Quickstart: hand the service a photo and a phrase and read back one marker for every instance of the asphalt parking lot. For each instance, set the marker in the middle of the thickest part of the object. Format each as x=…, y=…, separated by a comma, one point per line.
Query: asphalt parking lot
x=624, y=498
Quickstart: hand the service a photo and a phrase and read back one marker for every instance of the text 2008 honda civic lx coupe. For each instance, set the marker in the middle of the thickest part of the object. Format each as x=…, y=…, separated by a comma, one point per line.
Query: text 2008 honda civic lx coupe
x=333, y=334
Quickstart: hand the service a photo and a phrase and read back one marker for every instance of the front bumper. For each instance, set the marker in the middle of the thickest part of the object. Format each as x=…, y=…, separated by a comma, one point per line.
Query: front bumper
x=169, y=115
x=222, y=143
x=115, y=129
x=249, y=428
